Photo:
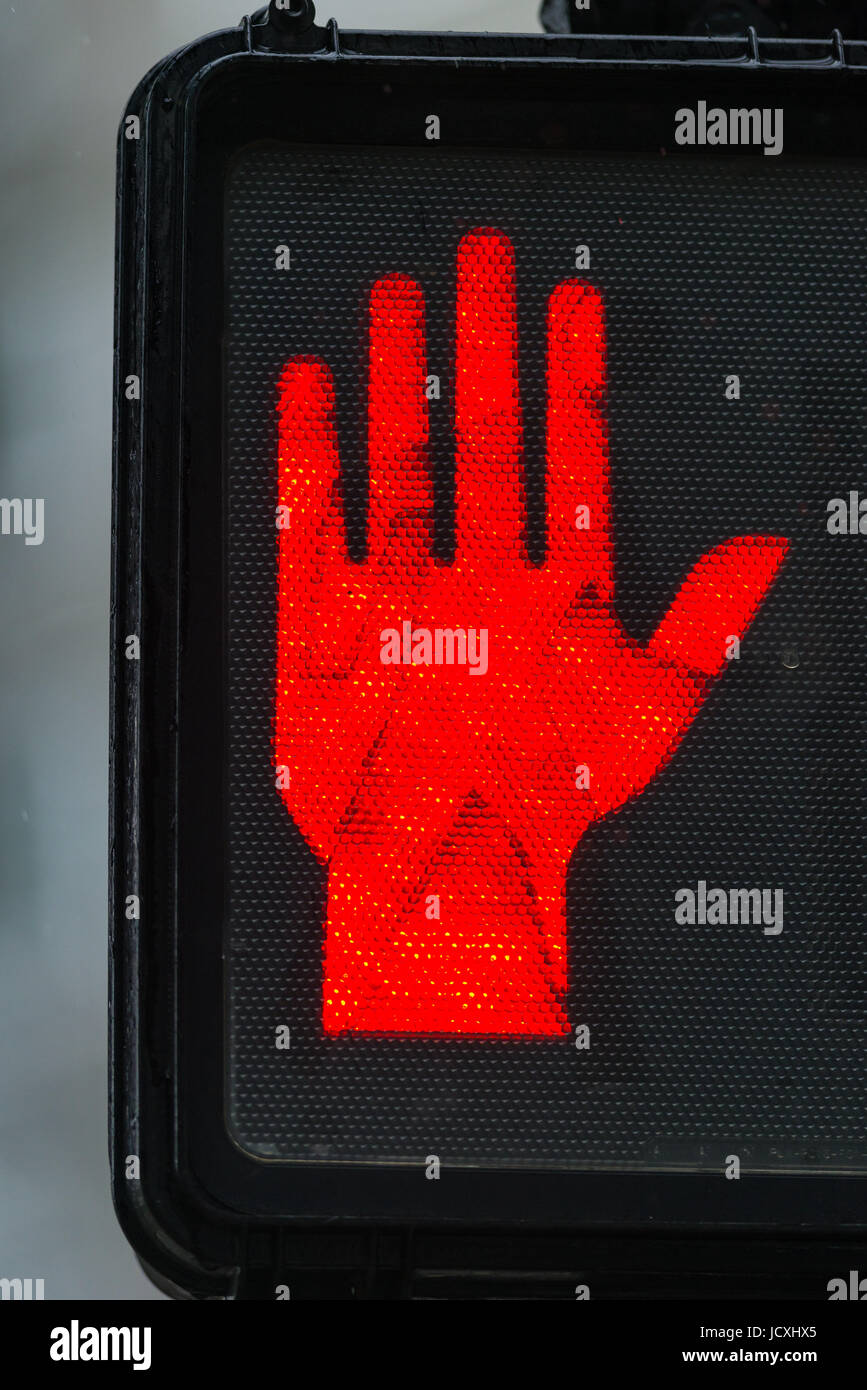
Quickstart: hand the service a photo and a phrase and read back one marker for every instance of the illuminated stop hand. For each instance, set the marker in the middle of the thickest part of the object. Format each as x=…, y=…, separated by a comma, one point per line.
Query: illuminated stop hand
x=446, y=795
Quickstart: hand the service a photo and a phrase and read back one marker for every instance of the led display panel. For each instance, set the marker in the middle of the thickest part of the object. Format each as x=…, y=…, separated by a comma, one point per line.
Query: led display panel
x=542, y=679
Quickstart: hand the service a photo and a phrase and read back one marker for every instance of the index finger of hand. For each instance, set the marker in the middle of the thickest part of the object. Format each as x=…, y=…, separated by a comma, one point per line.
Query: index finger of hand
x=577, y=488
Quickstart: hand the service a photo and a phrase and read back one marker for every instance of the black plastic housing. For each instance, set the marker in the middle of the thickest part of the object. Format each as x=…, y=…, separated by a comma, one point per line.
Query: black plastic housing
x=206, y=1220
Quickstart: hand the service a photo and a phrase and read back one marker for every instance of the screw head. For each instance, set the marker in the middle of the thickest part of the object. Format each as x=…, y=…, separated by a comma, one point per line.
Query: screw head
x=296, y=15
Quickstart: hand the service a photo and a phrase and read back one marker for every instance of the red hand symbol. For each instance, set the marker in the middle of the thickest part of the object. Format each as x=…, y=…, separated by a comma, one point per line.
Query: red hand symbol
x=447, y=802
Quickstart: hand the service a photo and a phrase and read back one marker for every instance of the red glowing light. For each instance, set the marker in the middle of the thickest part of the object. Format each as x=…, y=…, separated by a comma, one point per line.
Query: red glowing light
x=447, y=799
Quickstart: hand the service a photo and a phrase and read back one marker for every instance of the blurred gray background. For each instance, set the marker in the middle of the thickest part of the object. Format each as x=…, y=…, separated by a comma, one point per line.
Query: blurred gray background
x=66, y=70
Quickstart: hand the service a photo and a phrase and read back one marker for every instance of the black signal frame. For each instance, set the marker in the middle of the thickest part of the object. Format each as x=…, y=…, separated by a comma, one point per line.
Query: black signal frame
x=206, y=1218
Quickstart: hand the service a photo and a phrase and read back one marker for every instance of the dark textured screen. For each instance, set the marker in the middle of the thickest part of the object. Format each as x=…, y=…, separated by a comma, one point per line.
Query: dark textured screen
x=704, y=1040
